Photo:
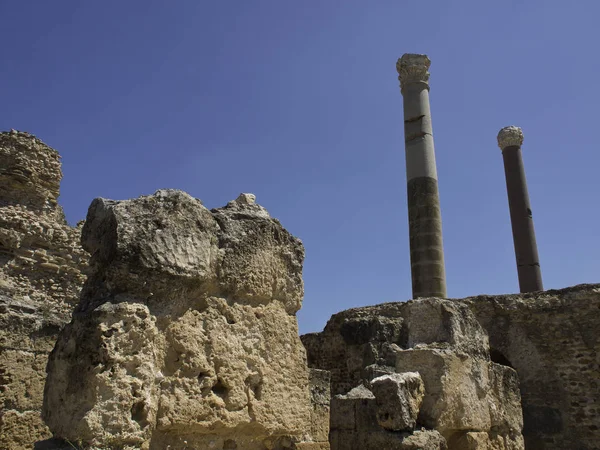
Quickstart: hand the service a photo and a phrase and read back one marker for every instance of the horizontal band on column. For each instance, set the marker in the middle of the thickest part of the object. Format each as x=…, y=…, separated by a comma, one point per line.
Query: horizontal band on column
x=420, y=158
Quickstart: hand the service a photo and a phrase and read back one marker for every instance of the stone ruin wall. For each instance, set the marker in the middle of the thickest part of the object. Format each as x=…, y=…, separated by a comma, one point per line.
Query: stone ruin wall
x=42, y=267
x=465, y=401
x=183, y=303
x=551, y=338
x=186, y=333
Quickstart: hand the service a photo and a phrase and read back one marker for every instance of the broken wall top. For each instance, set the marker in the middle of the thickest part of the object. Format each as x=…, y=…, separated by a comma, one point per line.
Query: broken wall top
x=30, y=172
x=151, y=247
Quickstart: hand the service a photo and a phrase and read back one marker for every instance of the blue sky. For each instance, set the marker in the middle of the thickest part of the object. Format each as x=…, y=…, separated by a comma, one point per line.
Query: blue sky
x=298, y=102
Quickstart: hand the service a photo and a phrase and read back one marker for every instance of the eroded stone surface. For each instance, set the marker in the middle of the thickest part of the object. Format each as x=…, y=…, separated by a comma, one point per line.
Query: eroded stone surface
x=398, y=397
x=41, y=273
x=320, y=396
x=441, y=340
x=551, y=339
x=186, y=334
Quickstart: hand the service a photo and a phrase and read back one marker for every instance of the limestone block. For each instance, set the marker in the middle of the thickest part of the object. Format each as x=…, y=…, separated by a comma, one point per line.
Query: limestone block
x=470, y=441
x=28, y=325
x=19, y=430
x=354, y=411
x=443, y=323
x=38, y=285
x=505, y=400
x=398, y=398
x=387, y=440
x=169, y=233
x=238, y=250
x=101, y=385
x=226, y=367
x=30, y=171
x=320, y=397
x=485, y=441
x=455, y=389
x=185, y=335
x=261, y=260
x=22, y=379
x=424, y=440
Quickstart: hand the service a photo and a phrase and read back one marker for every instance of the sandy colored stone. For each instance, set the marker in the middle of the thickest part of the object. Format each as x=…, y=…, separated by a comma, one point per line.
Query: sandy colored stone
x=101, y=377
x=320, y=397
x=19, y=430
x=169, y=233
x=185, y=335
x=261, y=260
x=22, y=379
x=388, y=440
x=455, y=389
x=30, y=171
x=485, y=441
x=41, y=274
x=552, y=340
x=441, y=340
x=398, y=398
x=221, y=374
x=506, y=412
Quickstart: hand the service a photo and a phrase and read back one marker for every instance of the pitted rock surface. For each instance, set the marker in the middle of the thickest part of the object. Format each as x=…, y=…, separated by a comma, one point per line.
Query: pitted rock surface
x=398, y=397
x=441, y=340
x=41, y=273
x=186, y=334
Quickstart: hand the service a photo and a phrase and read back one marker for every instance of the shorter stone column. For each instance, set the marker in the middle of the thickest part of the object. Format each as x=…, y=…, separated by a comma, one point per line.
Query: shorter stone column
x=510, y=140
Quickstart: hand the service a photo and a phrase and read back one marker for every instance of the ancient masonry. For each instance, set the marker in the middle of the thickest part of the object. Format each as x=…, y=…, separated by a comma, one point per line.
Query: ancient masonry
x=41, y=273
x=159, y=324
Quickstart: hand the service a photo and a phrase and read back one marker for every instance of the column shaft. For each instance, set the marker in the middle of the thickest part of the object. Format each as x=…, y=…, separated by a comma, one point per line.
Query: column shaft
x=424, y=216
x=528, y=262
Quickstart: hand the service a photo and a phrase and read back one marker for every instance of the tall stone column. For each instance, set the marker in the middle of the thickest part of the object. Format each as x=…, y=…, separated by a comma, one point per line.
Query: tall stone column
x=424, y=216
x=510, y=140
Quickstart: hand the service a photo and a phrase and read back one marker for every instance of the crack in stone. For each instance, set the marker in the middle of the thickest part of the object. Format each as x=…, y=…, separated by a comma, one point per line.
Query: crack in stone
x=414, y=119
x=414, y=136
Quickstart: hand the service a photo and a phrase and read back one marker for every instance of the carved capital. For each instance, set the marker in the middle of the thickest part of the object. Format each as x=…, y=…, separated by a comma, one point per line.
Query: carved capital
x=510, y=136
x=413, y=68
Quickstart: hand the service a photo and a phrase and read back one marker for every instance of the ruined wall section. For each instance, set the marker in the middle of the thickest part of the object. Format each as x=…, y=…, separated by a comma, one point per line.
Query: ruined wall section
x=42, y=269
x=415, y=375
x=552, y=339
x=186, y=333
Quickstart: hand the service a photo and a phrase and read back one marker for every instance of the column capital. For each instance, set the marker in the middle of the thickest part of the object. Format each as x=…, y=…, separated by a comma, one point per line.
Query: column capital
x=510, y=136
x=413, y=68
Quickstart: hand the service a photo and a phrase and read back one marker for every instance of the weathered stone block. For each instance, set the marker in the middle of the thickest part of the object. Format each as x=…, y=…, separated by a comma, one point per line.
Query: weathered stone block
x=261, y=261
x=185, y=335
x=320, y=396
x=21, y=379
x=41, y=266
x=387, y=440
x=170, y=234
x=398, y=398
x=485, y=441
x=455, y=389
x=506, y=412
x=443, y=323
x=355, y=410
x=101, y=384
x=20, y=429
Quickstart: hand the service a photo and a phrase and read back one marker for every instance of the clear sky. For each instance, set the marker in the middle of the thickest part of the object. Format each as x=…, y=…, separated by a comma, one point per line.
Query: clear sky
x=299, y=103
